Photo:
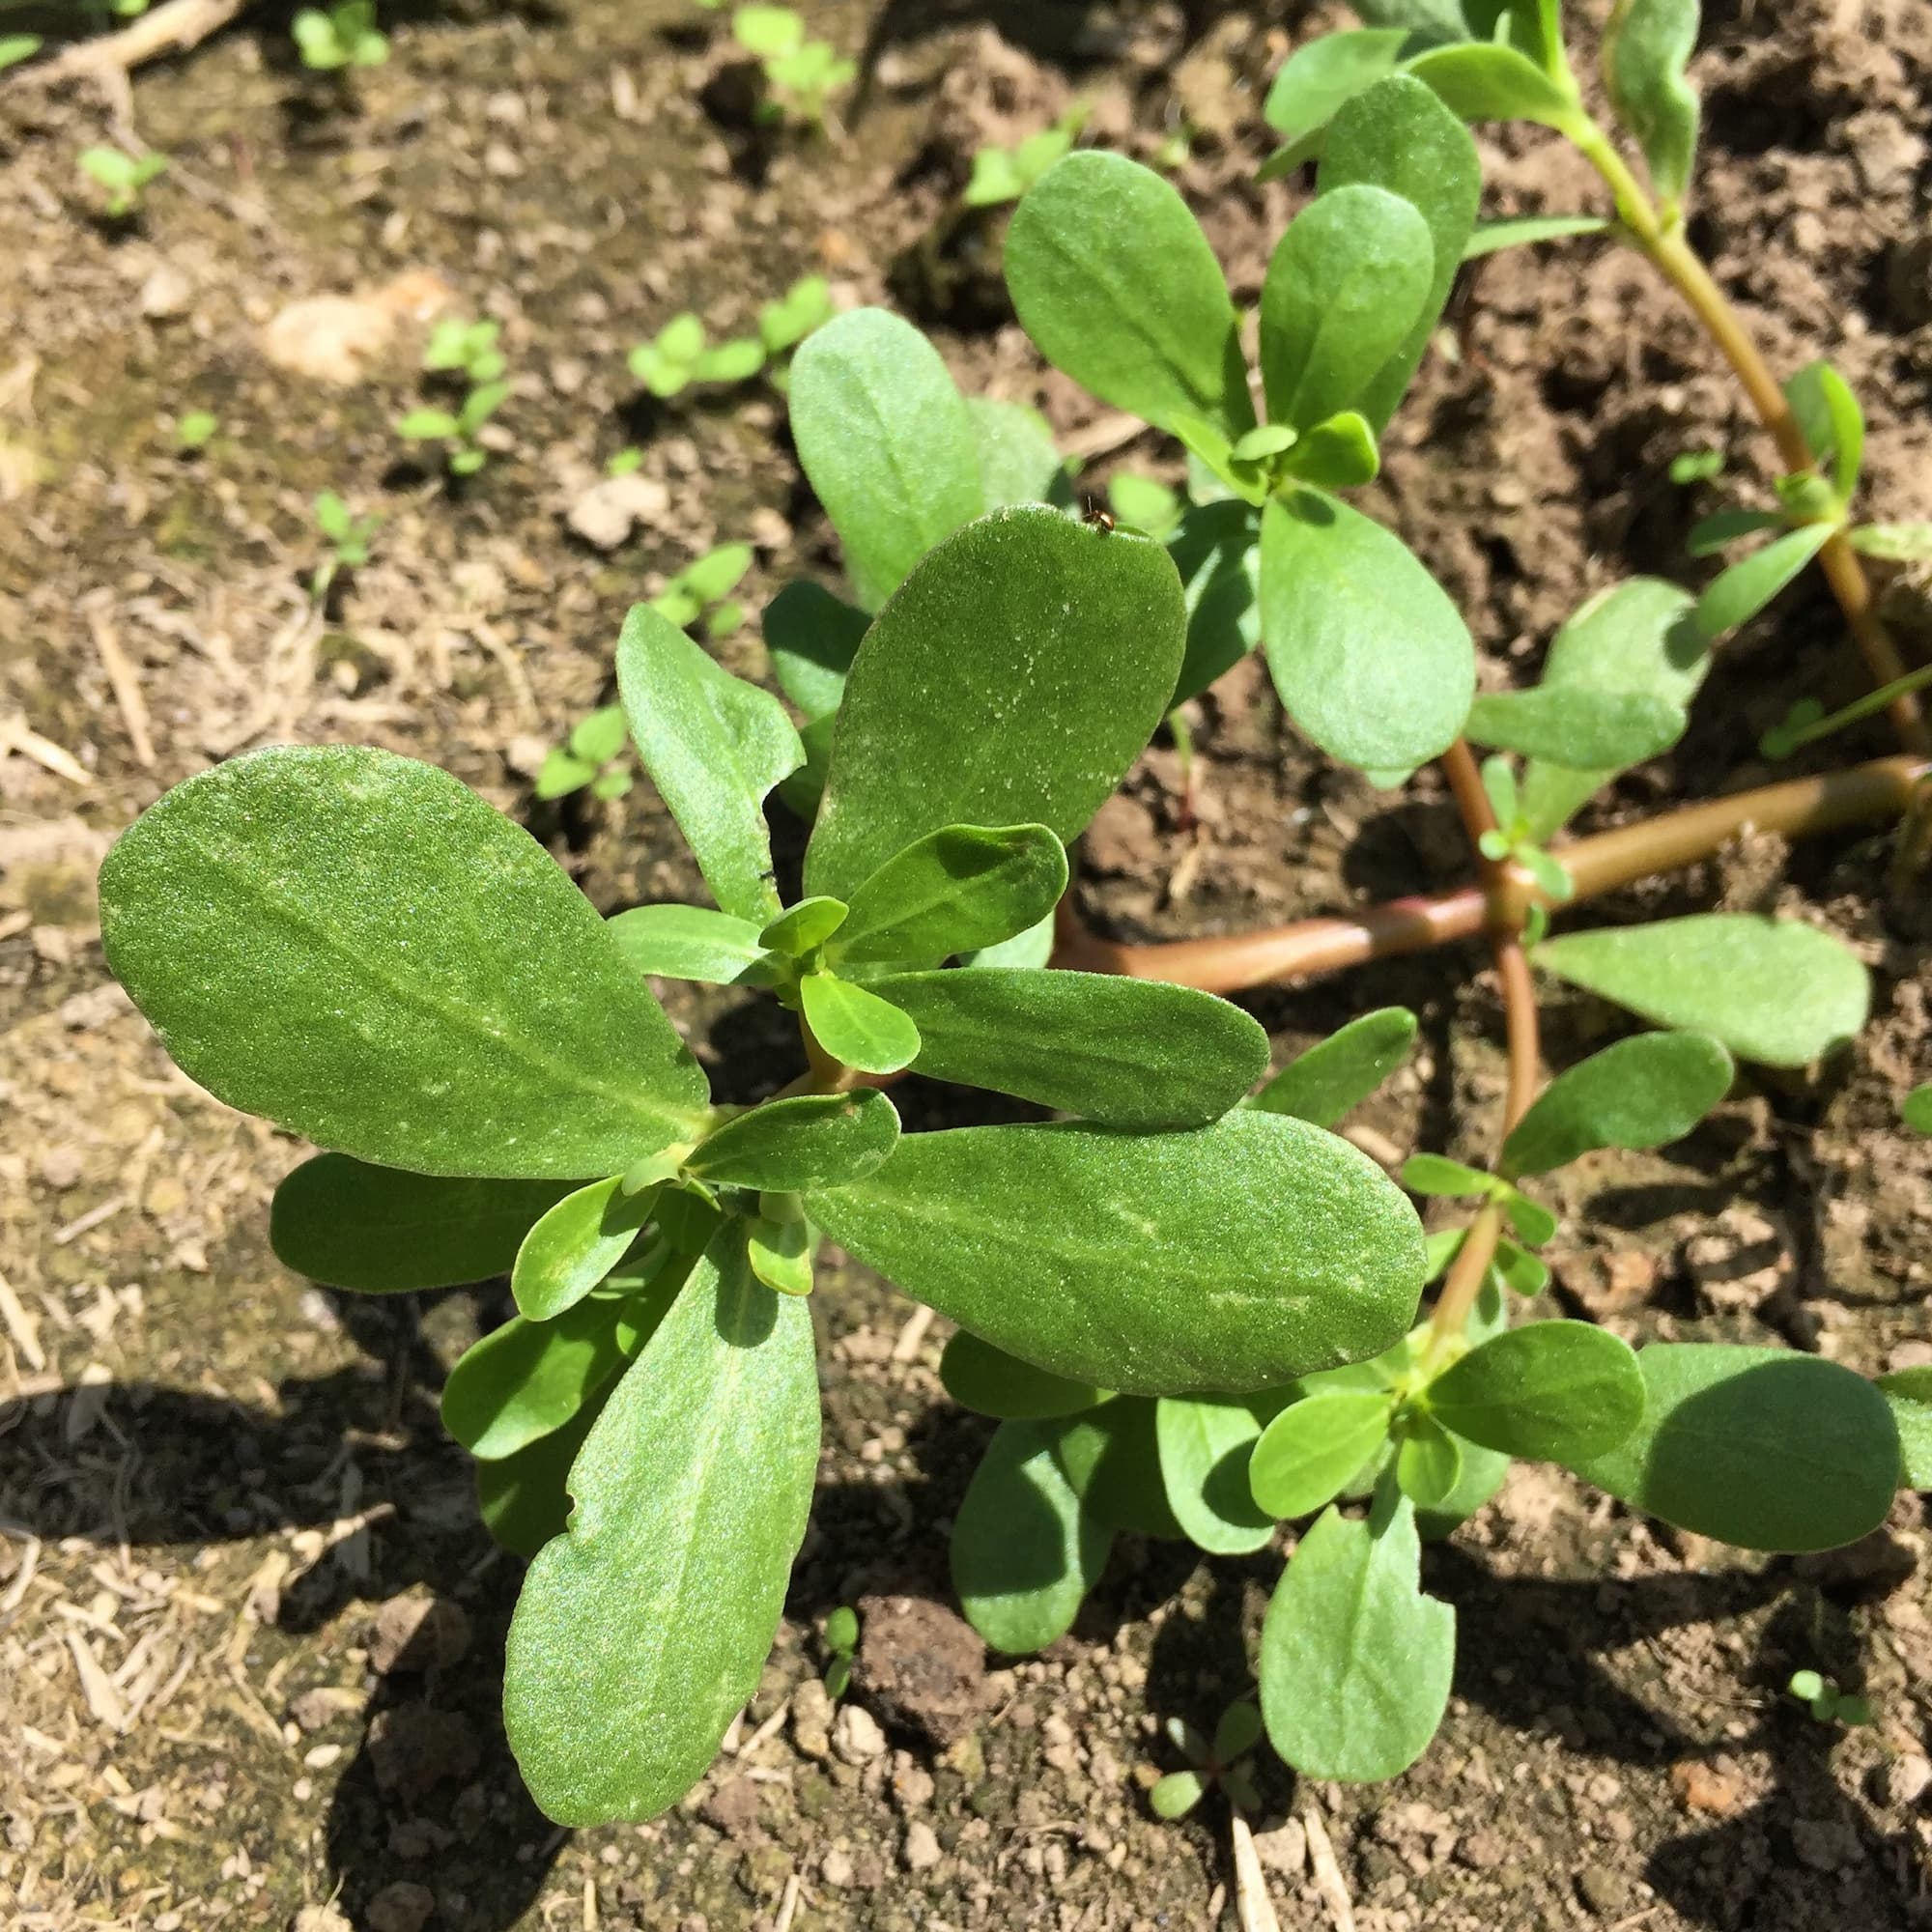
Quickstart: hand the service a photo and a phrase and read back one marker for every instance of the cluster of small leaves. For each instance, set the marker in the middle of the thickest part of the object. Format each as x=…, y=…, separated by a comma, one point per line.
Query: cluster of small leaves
x=467, y=350
x=802, y=74
x=1004, y=173
x=348, y=536
x=342, y=35
x=682, y=353
x=1211, y=1763
x=122, y=178
x=1826, y=1702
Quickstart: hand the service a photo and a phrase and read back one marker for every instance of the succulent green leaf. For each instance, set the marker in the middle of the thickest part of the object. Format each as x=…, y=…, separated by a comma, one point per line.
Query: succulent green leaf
x=1128, y=1053
x=1486, y=81
x=1356, y=1661
x=1369, y=655
x=1895, y=543
x=1336, y=454
x=1434, y=1173
x=1577, y=725
x=1217, y=553
x=1018, y=463
x=714, y=747
x=680, y=942
x=1024, y=1550
x=1112, y=277
x=1345, y=285
x=428, y=425
x=813, y=638
x=357, y=947
x=1737, y=594
x=1308, y=1453
x=1917, y=1110
x=1320, y=75
x=1429, y=1463
x=1551, y=1390
x=1909, y=1392
x=806, y=1140
x=887, y=443
x=955, y=891
x=1757, y=1447
x=1013, y=680
x=1398, y=136
x=522, y=1497
x=1641, y=1093
x=1520, y=231
x=1532, y=1221
x=1032, y=948
x=642, y=1632
x=1646, y=46
x=1828, y=411
x=780, y=1254
x=802, y=929
x=1176, y=1795
x=855, y=1026
x=992, y=1382
x=1111, y=1456
x=1205, y=1443
x=1482, y=1475
x=385, y=1231
x=1773, y=991
x=576, y=1244
x=1340, y=1073
x=1063, y=1244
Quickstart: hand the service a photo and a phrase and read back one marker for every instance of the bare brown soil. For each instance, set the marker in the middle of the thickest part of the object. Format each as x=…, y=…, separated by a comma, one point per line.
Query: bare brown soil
x=224, y=1495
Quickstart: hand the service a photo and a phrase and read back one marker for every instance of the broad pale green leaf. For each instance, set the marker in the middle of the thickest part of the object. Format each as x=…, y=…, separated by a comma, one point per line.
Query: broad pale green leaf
x=855, y=1026
x=1398, y=136
x=1645, y=49
x=1641, y=1092
x=813, y=638
x=1368, y=654
x=887, y=443
x=1320, y=75
x=522, y=1497
x=681, y=942
x=1638, y=635
x=955, y=891
x=1909, y=1392
x=806, y=1140
x=1217, y=553
x=1024, y=1551
x=1578, y=726
x=1526, y=229
x=1206, y=1442
x=780, y=1254
x=1429, y=1463
x=354, y=946
x=1112, y=277
x=1018, y=463
x=1235, y=1257
x=527, y=1378
x=1356, y=1661
x=803, y=929
x=1338, y=1072
x=992, y=1382
x=1111, y=1456
x=380, y=1230
x=1553, y=1390
x=1013, y=680
x=1128, y=1053
x=1345, y=285
x=1737, y=595
x=1338, y=454
x=641, y=1632
x=1308, y=1453
x=1488, y=82
x=576, y=1244
x=1176, y=1794
x=714, y=745
x=1773, y=990
x=1759, y=1447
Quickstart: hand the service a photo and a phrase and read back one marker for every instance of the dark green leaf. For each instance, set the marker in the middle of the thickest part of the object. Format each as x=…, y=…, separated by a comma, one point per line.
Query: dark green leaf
x=1577, y=725
x=575, y=1245
x=1206, y=1442
x=855, y=1026
x=1113, y=279
x=1522, y=230
x=1129, y=1053
x=1320, y=75
x=1356, y=1661
x=992, y=1382
x=807, y=1140
x=887, y=443
x=1554, y=1389
x=1024, y=1551
x=1368, y=654
x=813, y=638
x=1018, y=463
x=680, y=942
x=1217, y=553
x=1111, y=1456
x=1757, y=1447
x=1641, y=1092
x=382, y=1231
x=1771, y=990
x=1014, y=678
x=1909, y=1392
x=357, y=947
x=1737, y=595
x=1340, y=1073
x=1917, y=1110
x=1308, y=1453
x=1065, y=1244
x=1645, y=47
x=641, y=1632
x=523, y=1498
x=1344, y=287
x=1489, y=83
x=955, y=891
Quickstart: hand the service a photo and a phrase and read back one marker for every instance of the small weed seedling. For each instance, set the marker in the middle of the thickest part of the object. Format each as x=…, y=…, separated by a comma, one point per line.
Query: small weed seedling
x=682, y=354
x=342, y=35
x=468, y=349
x=195, y=430
x=17, y=48
x=1004, y=173
x=1210, y=1764
x=121, y=177
x=1826, y=1702
x=348, y=537
x=801, y=73
x=841, y=1641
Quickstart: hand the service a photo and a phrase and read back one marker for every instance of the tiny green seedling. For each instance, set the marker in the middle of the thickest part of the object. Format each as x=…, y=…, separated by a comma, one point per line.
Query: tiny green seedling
x=841, y=1639
x=122, y=178
x=682, y=354
x=1826, y=1702
x=1211, y=1763
x=1004, y=173
x=468, y=350
x=348, y=537
x=195, y=430
x=1696, y=465
x=585, y=759
x=342, y=35
x=17, y=48
x=626, y=462
x=801, y=73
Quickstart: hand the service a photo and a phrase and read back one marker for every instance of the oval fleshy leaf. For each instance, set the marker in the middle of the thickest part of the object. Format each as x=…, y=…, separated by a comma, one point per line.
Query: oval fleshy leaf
x=1646, y=46
x=990, y=1381
x=1338, y=1074
x=955, y=891
x=855, y=1026
x=805, y=1140
x=813, y=638
x=575, y=1245
x=681, y=942
x=1575, y=726
x=1553, y=1390
x=1307, y=1455
x=1111, y=1456
x=1205, y=1443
